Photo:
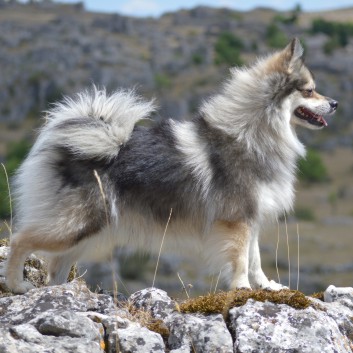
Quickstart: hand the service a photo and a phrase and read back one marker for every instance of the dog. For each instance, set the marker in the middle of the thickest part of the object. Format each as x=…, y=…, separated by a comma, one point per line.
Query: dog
x=96, y=177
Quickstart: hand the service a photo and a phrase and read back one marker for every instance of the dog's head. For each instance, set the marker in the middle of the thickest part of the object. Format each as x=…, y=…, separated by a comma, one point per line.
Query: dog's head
x=308, y=108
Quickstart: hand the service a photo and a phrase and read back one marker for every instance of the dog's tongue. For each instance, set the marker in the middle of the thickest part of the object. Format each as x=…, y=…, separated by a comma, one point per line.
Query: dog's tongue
x=322, y=120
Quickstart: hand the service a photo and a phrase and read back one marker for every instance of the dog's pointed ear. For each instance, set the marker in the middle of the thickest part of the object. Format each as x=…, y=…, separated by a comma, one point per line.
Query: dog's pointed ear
x=293, y=55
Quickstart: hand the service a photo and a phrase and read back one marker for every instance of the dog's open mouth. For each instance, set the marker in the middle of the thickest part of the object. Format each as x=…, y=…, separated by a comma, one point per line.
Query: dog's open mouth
x=310, y=117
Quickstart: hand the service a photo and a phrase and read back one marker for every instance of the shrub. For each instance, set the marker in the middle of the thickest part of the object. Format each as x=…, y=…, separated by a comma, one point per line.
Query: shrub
x=339, y=32
x=311, y=168
x=275, y=37
x=197, y=59
x=162, y=81
x=304, y=214
x=227, y=49
x=292, y=18
x=331, y=45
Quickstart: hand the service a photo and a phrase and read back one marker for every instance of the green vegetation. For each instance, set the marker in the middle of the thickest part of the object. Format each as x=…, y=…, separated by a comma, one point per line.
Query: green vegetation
x=292, y=18
x=275, y=37
x=197, y=59
x=15, y=155
x=304, y=214
x=162, y=81
x=311, y=168
x=338, y=32
x=331, y=45
x=227, y=49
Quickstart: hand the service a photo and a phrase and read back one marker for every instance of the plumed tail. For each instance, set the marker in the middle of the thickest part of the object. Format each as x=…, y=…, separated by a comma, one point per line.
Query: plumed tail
x=93, y=123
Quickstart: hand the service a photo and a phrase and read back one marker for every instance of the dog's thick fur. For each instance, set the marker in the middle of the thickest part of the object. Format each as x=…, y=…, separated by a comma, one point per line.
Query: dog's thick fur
x=222, y=174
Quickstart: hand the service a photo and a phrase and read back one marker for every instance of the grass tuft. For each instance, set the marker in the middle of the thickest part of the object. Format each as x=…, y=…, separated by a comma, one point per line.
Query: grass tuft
x=145, y=318
x=4, y=242
x=318, y=295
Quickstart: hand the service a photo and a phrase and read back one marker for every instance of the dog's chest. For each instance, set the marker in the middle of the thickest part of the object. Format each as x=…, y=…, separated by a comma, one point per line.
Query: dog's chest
x=275, y=197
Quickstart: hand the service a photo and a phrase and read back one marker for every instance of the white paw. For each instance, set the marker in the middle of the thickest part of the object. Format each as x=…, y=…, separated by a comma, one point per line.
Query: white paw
x=275, y=286
x=20, y=287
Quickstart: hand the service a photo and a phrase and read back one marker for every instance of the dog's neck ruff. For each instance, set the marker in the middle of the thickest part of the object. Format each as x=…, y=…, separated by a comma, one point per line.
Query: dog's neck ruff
x=253, y=121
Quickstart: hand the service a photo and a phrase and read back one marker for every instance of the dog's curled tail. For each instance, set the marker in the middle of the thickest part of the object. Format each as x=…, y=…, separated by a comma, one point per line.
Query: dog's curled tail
x=93, y=123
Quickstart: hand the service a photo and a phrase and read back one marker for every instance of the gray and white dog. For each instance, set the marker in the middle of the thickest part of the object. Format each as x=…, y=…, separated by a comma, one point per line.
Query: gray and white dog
x=94, y=179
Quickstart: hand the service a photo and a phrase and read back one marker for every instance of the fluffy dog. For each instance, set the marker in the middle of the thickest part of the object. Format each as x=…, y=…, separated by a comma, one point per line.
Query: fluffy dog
x=95, y=179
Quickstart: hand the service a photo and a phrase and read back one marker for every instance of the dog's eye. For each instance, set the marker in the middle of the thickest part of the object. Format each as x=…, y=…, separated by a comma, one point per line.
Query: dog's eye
x=308, y=92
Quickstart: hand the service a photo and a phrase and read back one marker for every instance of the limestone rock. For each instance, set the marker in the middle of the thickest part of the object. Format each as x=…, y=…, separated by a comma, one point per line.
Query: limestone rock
x=155, y=300
x=268, y=327
x=138, y=339
x=199, y=333
x=341, y=295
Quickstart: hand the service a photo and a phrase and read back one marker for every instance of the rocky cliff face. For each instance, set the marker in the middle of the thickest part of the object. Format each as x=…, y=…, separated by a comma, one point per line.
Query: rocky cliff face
x=71, y=318
x=47, y=50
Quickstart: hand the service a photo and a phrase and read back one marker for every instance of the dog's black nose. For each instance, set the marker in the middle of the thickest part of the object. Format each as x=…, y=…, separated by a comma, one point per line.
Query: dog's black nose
x=334, y=104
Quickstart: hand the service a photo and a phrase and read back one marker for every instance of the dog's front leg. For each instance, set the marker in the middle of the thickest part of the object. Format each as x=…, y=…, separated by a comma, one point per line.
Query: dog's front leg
x=233, y=238
x=257, y=277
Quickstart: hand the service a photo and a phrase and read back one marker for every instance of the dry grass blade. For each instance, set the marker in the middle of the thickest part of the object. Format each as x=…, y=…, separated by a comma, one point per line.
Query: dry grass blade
x=115, y=291
x=145, y=318
x=103, y=195
x=160, y=248
x=298, y=257
x=182, y=283
x=277, y=246
x=288, y=252
x=219, y=275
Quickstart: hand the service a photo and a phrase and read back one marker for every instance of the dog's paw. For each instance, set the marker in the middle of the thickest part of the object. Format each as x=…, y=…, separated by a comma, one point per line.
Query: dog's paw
x=20, y=287
x=275, y=286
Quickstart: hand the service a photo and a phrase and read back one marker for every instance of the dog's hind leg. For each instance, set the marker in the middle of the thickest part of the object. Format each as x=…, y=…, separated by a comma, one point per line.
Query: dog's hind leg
x=232, y=242
x=19, y=251
x=59, y=267
x=22, y=245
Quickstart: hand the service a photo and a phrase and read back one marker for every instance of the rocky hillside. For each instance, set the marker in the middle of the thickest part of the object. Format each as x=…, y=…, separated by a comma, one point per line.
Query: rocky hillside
x=48, y=49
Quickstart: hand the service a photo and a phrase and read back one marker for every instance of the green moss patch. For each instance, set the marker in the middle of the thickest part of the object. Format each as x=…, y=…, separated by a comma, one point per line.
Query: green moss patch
x=221, y=302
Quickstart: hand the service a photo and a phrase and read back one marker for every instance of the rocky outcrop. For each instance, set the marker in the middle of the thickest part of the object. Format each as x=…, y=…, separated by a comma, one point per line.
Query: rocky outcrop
x=268, y=327
x=71, y=318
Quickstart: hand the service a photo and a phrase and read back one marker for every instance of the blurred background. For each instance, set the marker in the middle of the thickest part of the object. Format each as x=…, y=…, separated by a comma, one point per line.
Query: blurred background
x=180, y=55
